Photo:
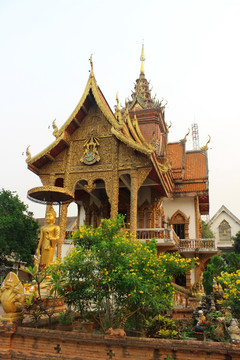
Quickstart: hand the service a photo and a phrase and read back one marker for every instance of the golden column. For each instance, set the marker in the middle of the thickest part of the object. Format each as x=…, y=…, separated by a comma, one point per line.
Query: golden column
x=133, y=202
x=62, y=224
x=114, y=197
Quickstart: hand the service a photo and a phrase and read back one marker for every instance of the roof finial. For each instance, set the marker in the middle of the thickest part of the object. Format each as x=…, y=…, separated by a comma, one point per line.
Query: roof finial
x=118, y=106
x=28, y=154
x=185, y=137
x=142, y=58
x=205, y=147
x=118, y=114
x=55, y=128
x=91, y=63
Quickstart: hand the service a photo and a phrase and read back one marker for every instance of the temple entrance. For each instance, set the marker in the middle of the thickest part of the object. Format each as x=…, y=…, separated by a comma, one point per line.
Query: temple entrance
x=124, y=197
x=180, y=224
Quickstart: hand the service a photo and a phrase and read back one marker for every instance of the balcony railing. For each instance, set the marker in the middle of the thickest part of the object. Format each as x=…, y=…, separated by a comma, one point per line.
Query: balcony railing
x=197, y=244
x=160, y=234
x=168, y=235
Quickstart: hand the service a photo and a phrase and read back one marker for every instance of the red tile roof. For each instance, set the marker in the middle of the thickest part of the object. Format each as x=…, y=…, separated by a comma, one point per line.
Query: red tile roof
x=195, y=166
x=175, y=155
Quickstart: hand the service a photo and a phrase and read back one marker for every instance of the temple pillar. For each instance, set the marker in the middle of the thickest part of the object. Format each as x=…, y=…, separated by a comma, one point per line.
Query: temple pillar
x=133, y=202
x=62, y=224
x=114, y=197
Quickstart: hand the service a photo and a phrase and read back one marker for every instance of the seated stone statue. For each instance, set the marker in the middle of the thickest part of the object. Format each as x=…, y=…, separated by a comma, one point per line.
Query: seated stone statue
x=49, y=236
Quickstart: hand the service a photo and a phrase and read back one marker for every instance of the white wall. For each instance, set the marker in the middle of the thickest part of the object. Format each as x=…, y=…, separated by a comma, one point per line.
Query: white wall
x=184, y=204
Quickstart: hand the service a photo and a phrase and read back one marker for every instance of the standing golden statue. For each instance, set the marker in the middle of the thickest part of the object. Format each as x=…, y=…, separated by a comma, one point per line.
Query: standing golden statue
x=49, y=236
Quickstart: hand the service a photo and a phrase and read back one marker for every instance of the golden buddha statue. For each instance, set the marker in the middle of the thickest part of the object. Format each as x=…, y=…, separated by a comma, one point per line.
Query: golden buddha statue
x=49, y=236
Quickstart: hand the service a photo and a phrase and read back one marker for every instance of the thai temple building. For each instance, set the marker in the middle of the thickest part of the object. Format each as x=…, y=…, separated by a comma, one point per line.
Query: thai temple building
x=121, y=161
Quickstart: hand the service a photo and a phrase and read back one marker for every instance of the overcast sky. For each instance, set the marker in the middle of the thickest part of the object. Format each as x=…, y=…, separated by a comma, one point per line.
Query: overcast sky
x=192, y=59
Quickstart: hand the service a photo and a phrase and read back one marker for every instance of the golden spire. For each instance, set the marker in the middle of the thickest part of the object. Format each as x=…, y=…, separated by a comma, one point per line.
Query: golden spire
x=142, y=58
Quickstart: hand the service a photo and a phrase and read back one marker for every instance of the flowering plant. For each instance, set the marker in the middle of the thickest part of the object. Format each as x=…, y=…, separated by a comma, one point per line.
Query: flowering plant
x=115, y=275
x=231, y=291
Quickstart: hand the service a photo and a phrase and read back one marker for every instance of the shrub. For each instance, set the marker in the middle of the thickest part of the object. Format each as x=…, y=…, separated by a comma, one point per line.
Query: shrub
x=161, y=327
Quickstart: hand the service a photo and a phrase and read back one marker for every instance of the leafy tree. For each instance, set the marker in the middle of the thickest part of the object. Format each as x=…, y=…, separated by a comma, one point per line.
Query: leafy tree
x=236, y=246
x=213, y=269
x=117, y=276
x=18, y=230
x=206, y=231
x=232, y=261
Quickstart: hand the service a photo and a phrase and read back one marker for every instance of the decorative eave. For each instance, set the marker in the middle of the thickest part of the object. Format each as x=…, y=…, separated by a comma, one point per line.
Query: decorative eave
x=92, y=91
x=130, y=142
x=165, y=175
x=127, y=132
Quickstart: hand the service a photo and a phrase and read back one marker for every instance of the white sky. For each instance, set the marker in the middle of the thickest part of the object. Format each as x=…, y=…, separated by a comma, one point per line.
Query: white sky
x=192, y=59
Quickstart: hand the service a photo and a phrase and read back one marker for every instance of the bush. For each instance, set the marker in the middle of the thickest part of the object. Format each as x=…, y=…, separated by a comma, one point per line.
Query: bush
x=161, y=327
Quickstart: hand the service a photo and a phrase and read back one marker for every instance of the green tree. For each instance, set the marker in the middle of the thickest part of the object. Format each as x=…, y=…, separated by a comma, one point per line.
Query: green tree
x=213, y=269
x=206, y=231
x=18, y=230
x=236, y=246
x=118, y=276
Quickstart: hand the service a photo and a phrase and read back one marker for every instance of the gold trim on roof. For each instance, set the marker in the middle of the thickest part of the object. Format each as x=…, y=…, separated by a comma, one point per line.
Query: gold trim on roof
x=63, y=136
x=130, y=126
x=138, y=130
x=131, y=142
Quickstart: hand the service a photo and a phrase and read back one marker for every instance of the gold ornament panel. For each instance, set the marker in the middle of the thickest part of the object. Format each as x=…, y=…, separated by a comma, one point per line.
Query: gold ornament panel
x=94, y=124
x=128, y=158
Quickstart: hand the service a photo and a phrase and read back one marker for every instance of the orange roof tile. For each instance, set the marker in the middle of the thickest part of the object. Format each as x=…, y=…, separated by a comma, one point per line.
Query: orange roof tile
x=195, y=166
x=190, y=187
x=175, y=155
